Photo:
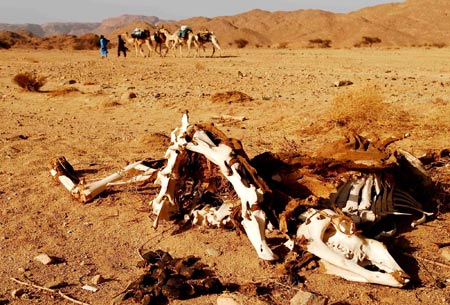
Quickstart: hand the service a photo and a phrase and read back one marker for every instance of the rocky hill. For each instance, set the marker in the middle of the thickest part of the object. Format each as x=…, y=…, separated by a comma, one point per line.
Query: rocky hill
x=411, y=23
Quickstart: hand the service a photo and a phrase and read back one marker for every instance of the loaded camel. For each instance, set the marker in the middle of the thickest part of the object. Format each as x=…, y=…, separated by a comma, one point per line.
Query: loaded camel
x=178, y=40
x=159, y=38
x=204, y=37
x=139, y=41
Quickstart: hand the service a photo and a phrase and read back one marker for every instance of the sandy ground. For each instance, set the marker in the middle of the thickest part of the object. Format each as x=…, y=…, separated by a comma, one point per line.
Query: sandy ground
x=100, y=129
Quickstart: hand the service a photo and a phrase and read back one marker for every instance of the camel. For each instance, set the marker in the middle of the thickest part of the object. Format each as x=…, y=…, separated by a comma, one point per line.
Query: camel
x=159, y=38
x=204, y=37
x=179, y=41
x=138, y=42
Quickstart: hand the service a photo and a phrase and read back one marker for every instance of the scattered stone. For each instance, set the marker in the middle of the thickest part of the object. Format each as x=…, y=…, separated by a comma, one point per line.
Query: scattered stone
x=445, y=253
x=132, y=95
x=213, y=252
x=308, y=298
x=98, y=279
x=90, y=288
x=44, y=259
x=342, y=83
x=21, y=270
x=17, y=293
x=55, y=284
x=71, y=81
x=226, y=299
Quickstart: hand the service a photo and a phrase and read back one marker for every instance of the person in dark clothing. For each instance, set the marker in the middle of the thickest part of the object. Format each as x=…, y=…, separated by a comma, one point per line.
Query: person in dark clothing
x=121, y=48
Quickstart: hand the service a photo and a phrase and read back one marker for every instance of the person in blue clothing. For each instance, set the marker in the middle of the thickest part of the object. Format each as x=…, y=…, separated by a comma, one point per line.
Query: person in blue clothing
x=103, y=46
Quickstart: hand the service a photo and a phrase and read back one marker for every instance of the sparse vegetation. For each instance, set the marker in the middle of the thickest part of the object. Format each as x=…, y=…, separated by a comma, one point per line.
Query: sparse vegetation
x=30, y=81
x=4, y=44
x=363, y=109
x=320, y=43
x=241, y=43
x=86, y=42
x=199, y=66
x=283, y=45
x=367, y=41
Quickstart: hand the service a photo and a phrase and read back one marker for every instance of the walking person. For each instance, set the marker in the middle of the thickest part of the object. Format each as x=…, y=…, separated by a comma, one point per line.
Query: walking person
x=121, y=48
x=103, y=46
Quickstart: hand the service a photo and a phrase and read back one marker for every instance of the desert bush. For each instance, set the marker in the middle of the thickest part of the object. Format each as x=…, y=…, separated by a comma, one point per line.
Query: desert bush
x=241, y=43
x=86, y=42
x=30, y=81
x=367, y=41
x=439, y=45
x=283, y=45
x=4, y=44
x=199, y=66
x=320, y=43
x=363, y=109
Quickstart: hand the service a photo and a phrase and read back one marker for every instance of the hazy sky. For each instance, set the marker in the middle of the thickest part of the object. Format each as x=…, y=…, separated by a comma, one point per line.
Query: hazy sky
x=42, y=11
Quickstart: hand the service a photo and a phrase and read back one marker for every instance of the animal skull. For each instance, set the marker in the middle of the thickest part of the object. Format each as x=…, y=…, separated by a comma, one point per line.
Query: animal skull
x=343, y=252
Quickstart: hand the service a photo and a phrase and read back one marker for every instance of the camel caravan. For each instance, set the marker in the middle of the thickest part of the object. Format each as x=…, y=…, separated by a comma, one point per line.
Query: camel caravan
x=163, y=39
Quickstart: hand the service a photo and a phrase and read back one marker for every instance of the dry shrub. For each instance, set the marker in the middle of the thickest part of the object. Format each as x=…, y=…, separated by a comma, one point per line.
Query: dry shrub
x=30, y=81
x=199, y=66
x=4, y=44
x=63, y=91
x=363, y=109
x=283, y=45
x=367, y=41
x=231, y=97
x=241, y=43
x=319, y=43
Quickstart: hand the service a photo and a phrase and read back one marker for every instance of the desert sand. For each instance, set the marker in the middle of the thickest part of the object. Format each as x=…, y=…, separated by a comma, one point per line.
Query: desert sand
x=102, y=114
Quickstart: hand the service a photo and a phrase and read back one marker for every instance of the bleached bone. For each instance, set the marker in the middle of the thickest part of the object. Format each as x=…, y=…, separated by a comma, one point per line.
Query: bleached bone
x=85, y=192
x=352, y=204
x=164, y=204
x=343, y=252
x=254, y=221
x=230, y=165
x=211, y=216
x=370, y=198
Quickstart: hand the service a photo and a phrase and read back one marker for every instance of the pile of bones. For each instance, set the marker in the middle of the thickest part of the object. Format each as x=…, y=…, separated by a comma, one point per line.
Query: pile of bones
x=327, y=204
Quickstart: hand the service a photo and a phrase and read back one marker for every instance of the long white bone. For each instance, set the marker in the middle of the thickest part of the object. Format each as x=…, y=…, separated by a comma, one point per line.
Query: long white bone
x=85, y=192
x=345, y=253
x=224, y=156
x=351, y=206
x=254, y=222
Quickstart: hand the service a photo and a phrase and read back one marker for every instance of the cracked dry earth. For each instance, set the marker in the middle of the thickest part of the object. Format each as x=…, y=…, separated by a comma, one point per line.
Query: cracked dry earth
x=104, y=113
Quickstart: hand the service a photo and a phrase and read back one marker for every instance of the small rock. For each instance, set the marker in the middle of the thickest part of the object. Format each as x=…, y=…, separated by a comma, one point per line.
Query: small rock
x=55, y=284
x=17, y=293
x=44, y=259
x=226, y=299
x=213, y=252
x=308, y=298
x=342, y=83
x=21, y=270
x=98, y=279
x=445, y=253
x=89, y=288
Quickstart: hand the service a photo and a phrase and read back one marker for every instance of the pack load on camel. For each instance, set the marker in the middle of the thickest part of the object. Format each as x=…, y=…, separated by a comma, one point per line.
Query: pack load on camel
x=140, y=33
x=183, y=31
x=337, y=205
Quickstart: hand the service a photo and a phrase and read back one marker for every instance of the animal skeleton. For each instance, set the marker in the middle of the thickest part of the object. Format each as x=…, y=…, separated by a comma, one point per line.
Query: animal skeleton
x=202, y=160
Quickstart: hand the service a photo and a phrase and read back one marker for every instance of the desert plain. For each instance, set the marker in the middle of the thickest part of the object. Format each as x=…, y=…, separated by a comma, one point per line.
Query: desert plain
x=102, y=114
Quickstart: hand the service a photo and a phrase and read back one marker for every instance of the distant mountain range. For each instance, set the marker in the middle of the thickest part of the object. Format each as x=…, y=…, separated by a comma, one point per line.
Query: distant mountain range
x=413, y=22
